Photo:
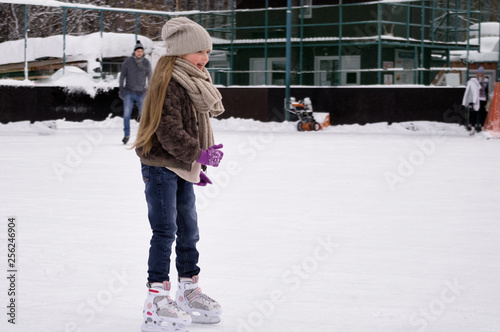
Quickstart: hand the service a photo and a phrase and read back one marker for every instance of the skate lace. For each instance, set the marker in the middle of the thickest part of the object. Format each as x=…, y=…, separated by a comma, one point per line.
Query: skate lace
x=168, y=302
x=197, y=293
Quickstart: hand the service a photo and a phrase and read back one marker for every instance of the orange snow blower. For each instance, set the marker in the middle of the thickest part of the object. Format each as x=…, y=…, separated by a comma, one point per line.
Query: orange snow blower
x=303, y=110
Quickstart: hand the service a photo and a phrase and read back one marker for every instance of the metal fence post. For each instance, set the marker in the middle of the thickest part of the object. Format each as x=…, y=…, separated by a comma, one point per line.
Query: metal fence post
x=288, y=57
x=64, y=40
x=25, y=41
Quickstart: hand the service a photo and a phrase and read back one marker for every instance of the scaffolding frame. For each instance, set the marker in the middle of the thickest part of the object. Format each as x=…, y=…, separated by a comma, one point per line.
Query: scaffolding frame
x=448, y=25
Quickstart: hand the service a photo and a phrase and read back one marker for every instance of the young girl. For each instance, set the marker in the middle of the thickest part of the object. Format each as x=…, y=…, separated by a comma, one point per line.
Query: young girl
x=175, y=142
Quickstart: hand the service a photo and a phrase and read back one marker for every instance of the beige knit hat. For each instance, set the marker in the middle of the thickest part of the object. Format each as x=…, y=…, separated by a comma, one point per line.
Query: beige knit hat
x=183, y=36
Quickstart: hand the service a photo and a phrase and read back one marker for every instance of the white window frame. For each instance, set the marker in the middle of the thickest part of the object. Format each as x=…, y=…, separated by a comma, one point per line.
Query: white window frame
x=351, y=62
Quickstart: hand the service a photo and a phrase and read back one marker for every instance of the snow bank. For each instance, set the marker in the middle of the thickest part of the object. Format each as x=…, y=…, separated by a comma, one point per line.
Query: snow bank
x=17, y=82
x=413, y=128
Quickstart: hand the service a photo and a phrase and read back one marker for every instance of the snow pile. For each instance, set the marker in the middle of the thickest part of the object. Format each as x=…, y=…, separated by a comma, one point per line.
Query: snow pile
x=74, y=79
x=71, y=76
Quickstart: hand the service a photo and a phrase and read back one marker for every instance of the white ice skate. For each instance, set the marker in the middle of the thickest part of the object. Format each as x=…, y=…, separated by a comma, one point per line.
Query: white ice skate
x=202, y=308
x=161, y=313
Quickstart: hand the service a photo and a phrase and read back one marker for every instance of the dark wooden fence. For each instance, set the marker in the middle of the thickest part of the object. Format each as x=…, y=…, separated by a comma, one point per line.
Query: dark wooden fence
x=346, y=105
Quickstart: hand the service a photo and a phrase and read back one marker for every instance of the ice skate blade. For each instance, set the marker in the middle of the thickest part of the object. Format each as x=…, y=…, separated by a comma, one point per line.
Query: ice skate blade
x=165, y=328
x=204, y=319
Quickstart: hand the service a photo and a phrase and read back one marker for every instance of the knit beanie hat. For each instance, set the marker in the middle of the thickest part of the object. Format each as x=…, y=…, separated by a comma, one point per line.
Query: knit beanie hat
x=138, y=45
x=480, y=70
x=183, y=36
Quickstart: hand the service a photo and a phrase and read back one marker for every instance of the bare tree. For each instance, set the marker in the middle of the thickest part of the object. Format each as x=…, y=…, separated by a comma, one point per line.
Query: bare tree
x=488, y=11
x=47, y=21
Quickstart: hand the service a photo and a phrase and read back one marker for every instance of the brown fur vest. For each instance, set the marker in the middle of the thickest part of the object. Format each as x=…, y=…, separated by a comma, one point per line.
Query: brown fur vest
x=175, y=143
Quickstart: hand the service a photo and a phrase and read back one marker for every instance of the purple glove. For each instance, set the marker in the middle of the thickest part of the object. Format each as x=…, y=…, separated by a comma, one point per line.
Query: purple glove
x=204, y=180
x=212, y=156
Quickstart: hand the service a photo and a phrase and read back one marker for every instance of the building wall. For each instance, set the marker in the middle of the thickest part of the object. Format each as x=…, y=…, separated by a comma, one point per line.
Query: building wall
x=260, y=37
x=364, y=58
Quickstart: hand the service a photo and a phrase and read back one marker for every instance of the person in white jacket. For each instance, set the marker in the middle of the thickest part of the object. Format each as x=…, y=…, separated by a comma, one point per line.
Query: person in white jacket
x=475, y=98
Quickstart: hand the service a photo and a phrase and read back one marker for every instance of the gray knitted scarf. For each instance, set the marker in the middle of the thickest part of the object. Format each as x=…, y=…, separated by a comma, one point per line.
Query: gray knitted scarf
x=138, y=61
x=206, y=99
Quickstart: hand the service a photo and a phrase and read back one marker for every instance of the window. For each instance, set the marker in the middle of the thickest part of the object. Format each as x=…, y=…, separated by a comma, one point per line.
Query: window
x=327, y=70
x=275, y=75
x=326, y=73
x=351, y=62
x=306, y=10
x=406, y=60
x=351, y=78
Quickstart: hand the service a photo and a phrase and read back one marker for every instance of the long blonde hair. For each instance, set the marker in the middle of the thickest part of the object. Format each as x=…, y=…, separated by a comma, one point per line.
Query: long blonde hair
x=153, y=104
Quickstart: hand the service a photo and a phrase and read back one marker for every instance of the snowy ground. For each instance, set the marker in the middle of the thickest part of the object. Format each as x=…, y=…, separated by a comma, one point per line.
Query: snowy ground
x=354, y=228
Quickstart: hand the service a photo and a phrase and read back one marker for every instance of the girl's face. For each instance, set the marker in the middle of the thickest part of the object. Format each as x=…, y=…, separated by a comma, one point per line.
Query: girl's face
x=198, y=59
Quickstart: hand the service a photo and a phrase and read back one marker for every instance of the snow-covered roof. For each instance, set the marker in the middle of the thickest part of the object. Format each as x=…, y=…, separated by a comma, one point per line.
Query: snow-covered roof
x=489, y=41
x=87, y=47
x=488, y=29
x=328, y=38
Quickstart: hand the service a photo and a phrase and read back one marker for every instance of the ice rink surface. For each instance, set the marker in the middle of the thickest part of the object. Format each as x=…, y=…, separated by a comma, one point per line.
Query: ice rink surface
x=350, y=229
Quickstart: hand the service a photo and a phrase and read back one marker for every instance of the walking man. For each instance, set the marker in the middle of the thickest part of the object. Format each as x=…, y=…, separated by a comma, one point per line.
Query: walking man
x=134, y=78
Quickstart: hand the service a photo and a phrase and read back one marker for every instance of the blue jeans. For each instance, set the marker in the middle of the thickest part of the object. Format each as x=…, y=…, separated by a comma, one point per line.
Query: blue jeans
x=128, y=104
x=172, y=216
